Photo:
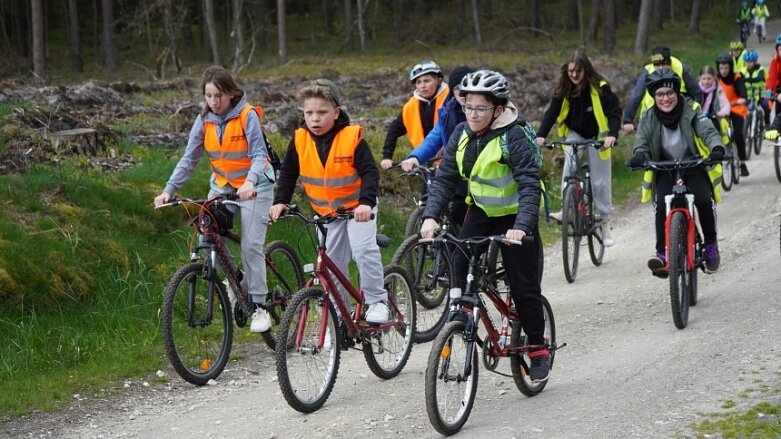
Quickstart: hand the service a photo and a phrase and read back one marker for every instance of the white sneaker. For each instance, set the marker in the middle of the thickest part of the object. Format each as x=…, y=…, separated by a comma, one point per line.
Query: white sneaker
x=556, y=216
x=231, y=293
x=377, y=313
x=607, y=235
x=260, y=321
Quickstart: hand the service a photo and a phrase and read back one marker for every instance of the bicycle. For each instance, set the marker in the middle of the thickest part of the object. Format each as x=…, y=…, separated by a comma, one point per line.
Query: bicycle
x=578, y=216
x=683, y=238
x=308, y=365
x=197, y=309
x=452, y=367
x=731, y=165
x=744, y=32
x=755, y=128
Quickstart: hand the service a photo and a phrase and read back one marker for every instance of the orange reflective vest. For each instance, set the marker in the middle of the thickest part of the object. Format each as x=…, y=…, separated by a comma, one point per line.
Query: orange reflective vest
x=410, y=117
x=229, y=159
x=337, y=184
x=732, y=95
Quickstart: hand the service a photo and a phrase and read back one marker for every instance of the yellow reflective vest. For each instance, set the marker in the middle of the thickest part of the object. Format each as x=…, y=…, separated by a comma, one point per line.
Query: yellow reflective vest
x=599, y=115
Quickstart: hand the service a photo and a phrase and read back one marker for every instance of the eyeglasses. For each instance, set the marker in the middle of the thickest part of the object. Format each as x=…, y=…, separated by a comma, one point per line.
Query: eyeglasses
x=664, y=94
x=479, y=111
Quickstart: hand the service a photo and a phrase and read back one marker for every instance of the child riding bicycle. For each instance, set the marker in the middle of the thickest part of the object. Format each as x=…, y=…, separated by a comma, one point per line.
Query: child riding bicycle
x=675, y=129
x=338, y=172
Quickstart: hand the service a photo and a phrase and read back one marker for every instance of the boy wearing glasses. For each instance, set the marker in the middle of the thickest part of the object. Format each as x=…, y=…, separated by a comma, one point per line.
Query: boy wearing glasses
x=585, y=108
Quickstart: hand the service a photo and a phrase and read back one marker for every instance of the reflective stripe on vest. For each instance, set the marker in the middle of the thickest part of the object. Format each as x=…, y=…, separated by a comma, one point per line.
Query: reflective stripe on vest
x=677, y=67
x=491, y=183
x=337, y=184
x=410, y=117
x=732, y=96
x=229, y=160
x=599, y=115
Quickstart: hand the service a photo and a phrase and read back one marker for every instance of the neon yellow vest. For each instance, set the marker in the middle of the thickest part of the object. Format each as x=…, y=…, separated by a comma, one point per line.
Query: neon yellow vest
x=599, y=115
x=491, y=184
x=677, y=67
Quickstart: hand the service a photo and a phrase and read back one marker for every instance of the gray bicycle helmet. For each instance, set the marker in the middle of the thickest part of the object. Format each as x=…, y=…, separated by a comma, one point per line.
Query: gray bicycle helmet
x=662, y=78
x=724, y=58
x=486, y=81
x=423, y=68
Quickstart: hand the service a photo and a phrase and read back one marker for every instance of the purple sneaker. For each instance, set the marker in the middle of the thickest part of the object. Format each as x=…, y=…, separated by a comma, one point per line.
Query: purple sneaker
x=657, y=265
x=710, y=255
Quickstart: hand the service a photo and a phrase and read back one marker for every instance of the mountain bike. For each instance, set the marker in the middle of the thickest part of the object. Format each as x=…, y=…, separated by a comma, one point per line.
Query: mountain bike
x=683, y=238
x=453, y=365
x=197, y=308
x=755, y=127
x=578, y=216
x=309, y=344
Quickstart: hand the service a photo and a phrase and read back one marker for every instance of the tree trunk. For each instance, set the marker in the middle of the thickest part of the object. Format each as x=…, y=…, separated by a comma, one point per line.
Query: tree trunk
x=536, y=18
x=476, y=22
x=348, y=25
x=107, y=49
x=39, y=41
x=581, y=28
x=211, y=30
x=22, y=28
x=696, y=14
x=281, y=37
x=643, y=22
x=571, y=23
x=237, y=35
x=593, y=21
x=608, y=26
x=362, y=23
x=74, y=47
x=618, y=11
x=188, y=39
x=398, y=15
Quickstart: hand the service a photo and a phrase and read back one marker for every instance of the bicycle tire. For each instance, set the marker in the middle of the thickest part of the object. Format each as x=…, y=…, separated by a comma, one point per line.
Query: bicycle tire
x=693, y=283
x=300, y=364
x=777, y=160
x=414, y=222
x=748, y=134
x=596, y=244
x=727, y=167
x=520, y=363
x=760, y=134
x=570, y=233
x=444, y=373
x=736, y=167
x=284, y=277
x=197, y=346
x=431, y=293
x=386, y=352
x=679, y=276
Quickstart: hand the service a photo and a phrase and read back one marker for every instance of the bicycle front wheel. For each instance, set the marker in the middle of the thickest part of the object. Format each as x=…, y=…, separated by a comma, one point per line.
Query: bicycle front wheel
x=414, y=222
x=760, y=133
x=196, y=323
x=284, y=276
x=679, y=275
x=570, y=232
x=387, y=351
x=749, y=134
x=777, y=160
x=430, y=271
x=451, y=381
x=520, y=363
x=596, y=243
x=728, y=167
x=306, y=366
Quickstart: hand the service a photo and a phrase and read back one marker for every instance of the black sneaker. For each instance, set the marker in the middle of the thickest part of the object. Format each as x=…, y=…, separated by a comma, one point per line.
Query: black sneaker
x=657, y=264
x=743, y=170
x=540, y=365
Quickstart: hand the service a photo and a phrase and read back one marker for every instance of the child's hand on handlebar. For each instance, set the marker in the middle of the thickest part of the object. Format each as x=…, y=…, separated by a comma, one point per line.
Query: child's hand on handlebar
x=609, y=142
x=428, y=228
x=408, y=164
x=386, y=164
x=515, y=234
x=276, y=211
x=362, y=213
x=246, y=191
x=162, y=199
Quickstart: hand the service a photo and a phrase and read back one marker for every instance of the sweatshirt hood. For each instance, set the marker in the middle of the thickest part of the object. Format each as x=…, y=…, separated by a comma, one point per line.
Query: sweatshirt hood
x=508, y=116
x=443, y=88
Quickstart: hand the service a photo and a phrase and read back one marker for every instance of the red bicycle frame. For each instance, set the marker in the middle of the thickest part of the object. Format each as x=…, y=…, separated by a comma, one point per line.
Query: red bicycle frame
x=691, y=229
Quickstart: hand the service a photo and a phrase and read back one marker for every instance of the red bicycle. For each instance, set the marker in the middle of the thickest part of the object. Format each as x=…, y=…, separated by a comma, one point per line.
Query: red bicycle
x=311, y=336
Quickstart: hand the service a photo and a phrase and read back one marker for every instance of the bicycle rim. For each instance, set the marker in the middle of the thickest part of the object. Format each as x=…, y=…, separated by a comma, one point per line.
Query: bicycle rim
x=679, y=278
x=284, y=276
x=520, y=363
x=196, y=324
x=450, y=394
x=387, y=351
x=306, y=373
x=570, y=233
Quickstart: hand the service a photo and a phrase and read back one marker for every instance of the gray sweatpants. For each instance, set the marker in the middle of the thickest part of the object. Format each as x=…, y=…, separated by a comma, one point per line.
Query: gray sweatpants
x=601, y=174
x=346, y=237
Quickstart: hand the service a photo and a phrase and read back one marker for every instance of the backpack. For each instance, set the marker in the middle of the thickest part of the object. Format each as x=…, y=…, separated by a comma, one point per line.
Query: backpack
x=273, y=157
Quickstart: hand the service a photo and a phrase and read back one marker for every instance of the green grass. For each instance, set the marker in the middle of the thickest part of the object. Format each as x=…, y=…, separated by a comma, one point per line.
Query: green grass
x=758, y=422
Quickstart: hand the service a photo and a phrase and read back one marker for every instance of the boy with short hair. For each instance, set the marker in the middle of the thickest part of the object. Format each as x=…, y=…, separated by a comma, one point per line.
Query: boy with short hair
x=337, y=171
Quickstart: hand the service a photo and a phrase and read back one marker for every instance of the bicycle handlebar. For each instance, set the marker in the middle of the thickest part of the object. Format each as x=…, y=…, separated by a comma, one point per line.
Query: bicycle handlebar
x=674, y=165
x=574, y=143
x=221, y=198
x=442, y=235
x=294, y=211
x=426, y=168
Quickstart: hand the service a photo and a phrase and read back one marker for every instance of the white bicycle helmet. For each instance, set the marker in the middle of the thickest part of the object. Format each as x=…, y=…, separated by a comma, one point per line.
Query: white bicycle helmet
x=486, y=81
x=423, y=68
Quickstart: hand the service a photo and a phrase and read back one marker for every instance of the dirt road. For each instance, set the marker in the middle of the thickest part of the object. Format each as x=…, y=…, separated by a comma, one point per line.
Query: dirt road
x=627, y=371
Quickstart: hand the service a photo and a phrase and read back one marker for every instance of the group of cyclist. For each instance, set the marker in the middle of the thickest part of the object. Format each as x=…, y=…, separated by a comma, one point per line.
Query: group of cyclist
x=488, y=177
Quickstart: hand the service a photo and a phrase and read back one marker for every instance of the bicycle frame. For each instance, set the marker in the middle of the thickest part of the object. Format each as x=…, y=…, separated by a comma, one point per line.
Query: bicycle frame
x=580, y=180
x=691, y=223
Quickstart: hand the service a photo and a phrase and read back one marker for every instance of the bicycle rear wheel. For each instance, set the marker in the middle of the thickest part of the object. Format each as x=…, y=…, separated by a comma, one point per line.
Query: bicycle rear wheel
x=196, y=324
x=520, y=363
x=284, y=276
x=306, y=373
x=387, y=351
x=570, y=232
x=596, y=244
x=777, y=160
x=679, y=274
x=450, y=387
x=414, y=222
x=430, y=272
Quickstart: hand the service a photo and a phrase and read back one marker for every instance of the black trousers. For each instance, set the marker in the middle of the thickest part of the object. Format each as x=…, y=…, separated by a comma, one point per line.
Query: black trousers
x=699, y=184
x=738, y=127
x=520, y=263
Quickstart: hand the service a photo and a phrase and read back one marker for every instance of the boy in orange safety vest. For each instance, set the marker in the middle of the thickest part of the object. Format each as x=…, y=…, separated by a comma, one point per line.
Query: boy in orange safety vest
x=337, y=171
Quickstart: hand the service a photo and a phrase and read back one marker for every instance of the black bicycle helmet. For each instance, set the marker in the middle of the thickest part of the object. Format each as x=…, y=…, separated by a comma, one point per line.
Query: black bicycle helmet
x=488, y=82
x=724, y=58
x=662, y=78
